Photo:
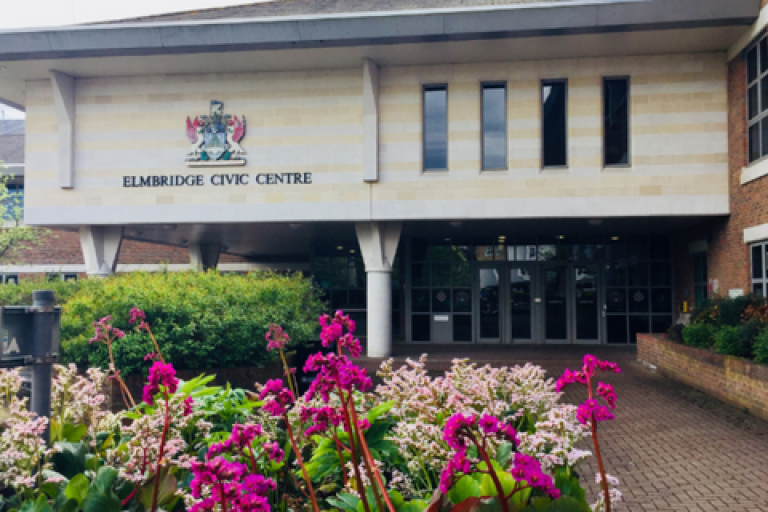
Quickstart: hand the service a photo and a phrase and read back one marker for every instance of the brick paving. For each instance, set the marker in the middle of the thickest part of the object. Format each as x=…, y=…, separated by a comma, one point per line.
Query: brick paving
x=674, y=448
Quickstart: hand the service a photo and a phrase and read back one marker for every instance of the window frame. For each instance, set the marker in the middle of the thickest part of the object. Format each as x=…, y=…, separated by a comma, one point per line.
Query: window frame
x=544, y=82
x=483, y=87
x=762, y=114
x=424, y=89
x=627, y=79
x=762, y=280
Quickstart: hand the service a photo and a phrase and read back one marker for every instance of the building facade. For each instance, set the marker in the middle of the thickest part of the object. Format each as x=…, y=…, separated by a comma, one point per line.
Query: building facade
x=448, y=172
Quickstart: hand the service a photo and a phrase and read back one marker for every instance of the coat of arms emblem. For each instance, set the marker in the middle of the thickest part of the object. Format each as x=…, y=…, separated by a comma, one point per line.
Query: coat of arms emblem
x=215, y=138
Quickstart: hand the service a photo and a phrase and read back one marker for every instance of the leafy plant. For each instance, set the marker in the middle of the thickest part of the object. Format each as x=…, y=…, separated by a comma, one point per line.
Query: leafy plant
x=202, y=320
x=699, y=335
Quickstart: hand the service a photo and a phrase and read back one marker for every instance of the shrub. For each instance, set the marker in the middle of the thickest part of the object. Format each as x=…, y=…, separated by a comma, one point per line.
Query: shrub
x=201, y=320
x=699, y=335
x=736, y=341
x=761, y=347
x=21, y=294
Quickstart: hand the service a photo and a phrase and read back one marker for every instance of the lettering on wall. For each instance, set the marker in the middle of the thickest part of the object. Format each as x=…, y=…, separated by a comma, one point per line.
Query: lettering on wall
x=217, y=180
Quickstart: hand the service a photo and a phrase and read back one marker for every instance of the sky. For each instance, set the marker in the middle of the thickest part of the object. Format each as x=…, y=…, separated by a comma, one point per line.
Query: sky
x=44, y=13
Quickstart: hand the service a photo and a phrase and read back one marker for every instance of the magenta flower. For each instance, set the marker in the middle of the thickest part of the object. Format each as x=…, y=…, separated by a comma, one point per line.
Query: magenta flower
x=456, y=430
x=278, y=397
x=591, y=408
x=276, y=337
x=606, y=392
x=137, y=315
x=273, y=451
x=189, y=404
x=458, y=464
x=160, y=375
x=103, y=331
x=335, y=372
x=333, y=332
x=489, y=424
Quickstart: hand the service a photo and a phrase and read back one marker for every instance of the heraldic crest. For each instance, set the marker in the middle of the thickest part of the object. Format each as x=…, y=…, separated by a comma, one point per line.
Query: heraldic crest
x=215, y=138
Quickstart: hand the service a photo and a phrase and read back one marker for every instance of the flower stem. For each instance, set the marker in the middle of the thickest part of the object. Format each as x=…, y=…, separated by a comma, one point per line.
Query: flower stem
x=355, y=467
x=593, y=425
x=166, y=424
x=369, y=459
x=301, y=463
x=599, y=457
x=493, y=475
x=154, y=341
x=288, y=373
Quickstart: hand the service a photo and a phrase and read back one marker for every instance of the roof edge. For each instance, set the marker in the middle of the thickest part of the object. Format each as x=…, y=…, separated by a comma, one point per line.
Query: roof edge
x=378, y=28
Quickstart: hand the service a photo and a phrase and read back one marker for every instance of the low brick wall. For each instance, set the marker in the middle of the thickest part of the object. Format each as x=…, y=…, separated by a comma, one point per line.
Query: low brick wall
x=733, y=380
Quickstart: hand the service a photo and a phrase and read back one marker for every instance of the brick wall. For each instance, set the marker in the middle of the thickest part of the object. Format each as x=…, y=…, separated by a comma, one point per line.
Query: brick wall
x=728, y=258
x=63, y=248
x=733, y=380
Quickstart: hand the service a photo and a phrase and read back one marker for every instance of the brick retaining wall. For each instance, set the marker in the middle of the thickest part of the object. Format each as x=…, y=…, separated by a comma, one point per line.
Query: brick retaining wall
x=733, y=380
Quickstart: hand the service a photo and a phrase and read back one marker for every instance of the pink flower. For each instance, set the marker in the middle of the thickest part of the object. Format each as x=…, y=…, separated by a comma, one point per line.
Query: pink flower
x=274, y=452
x=276, y=337
x=489, y=424
x=137, y=315
x=278, y=397
x=455, y=431
x=189, y=404
x=605, y=391
x=160, y=375
x=592, y=409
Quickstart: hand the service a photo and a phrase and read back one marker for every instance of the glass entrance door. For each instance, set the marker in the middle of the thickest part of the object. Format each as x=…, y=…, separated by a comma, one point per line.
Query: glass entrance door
x=556, y=304
x=587, y=315
x=489, y=284
x=521, y=304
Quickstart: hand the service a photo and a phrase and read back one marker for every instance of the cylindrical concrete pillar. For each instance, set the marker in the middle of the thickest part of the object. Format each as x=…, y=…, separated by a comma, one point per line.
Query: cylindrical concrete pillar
x=379, y=313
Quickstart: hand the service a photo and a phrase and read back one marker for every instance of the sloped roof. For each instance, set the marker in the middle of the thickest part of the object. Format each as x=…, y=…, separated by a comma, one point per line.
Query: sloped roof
x=278, y=8
x=12, y=141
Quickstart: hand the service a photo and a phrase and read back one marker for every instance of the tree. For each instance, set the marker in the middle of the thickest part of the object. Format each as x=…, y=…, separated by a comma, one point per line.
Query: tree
x=15, y=236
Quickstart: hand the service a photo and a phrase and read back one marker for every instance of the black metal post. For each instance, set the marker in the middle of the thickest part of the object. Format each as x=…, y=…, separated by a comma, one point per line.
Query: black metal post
x=45, y=339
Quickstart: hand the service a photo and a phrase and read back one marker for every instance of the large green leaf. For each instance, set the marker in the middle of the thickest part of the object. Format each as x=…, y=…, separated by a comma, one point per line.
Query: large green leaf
x=165, y=492
x=379, y=410
x=39, y=505
x=101, y=497
x=77, y=488
x=466, y=487
x=73, y=433
x=70, y=459
x=346, y=502
x=569, y=486
x=504, y=453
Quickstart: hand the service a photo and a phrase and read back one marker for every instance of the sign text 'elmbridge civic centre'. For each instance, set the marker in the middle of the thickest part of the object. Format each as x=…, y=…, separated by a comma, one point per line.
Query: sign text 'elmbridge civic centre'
x=217, y=180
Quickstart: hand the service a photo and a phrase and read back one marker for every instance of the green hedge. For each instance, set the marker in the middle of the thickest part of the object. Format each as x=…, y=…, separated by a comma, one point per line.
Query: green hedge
x=21, y=294
x=201, y=320
x=731, y=326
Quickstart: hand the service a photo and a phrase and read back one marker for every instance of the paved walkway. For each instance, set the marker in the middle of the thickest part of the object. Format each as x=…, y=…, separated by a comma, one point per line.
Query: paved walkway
x=673, y=448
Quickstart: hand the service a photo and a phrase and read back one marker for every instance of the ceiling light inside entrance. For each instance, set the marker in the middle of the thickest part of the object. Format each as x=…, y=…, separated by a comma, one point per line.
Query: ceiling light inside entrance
x=456, y=224
x=595, y=222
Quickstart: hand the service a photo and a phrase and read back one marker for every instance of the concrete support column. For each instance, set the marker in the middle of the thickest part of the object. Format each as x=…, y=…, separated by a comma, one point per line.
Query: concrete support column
x=378, y=245
x=101, y=245
x=204, y=256
x=64, y=99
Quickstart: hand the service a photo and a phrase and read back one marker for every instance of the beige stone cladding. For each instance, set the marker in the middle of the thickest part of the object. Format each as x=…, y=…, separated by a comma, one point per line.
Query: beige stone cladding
x=312, y=121
x=679, y=146
x=297, y=122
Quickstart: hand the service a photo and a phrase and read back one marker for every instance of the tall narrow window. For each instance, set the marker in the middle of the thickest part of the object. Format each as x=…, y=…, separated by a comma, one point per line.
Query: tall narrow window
x=554, y=123
x=494, y=126
x=435, y=128
x=757, y=100
x=616, y=121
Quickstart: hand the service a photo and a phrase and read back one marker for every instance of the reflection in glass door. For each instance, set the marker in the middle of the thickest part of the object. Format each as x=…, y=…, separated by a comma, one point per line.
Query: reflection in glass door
x=587, y=303
x=489, y=280
x=520, y=302
x=556, y=304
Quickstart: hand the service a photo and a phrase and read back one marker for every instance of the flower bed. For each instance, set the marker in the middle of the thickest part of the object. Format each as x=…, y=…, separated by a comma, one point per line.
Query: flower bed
x=475, y=439
x=733, y=380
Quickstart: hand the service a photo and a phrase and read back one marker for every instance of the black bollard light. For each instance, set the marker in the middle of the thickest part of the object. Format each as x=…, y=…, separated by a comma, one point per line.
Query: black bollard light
x=31, y=338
